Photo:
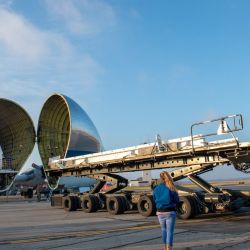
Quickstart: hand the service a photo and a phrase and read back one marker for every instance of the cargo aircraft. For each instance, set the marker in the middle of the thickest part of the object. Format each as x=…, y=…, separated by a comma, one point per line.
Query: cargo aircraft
x=64, y=130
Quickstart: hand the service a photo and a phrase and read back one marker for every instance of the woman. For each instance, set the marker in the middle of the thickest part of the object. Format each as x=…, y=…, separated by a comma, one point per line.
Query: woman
x=166, y=199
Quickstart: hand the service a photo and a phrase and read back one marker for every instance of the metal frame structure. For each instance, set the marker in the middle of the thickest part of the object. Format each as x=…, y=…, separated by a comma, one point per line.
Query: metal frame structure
x=189, y=157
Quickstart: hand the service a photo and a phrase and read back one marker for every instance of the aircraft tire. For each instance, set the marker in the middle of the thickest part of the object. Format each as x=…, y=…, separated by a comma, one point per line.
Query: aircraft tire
x=146, y=206
x=115, y=205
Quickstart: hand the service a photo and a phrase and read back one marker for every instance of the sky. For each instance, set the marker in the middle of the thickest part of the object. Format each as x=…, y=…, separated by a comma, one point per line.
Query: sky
x=139, y=68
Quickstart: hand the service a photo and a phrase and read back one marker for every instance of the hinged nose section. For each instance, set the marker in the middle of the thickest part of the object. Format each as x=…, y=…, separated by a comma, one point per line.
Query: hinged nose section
x=17, y=139
x=65, y=130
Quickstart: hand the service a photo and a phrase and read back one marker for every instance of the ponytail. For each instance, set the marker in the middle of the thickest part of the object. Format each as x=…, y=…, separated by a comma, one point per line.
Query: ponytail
x=168, y=181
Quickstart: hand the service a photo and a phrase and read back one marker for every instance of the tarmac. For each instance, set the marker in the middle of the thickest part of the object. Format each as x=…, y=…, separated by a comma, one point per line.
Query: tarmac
x=37, y=225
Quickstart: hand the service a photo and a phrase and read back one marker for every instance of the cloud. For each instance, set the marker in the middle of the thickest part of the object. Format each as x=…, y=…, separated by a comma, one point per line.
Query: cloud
x=35, y=62
x=83, y=17
x=74, y=75
x=21, y=39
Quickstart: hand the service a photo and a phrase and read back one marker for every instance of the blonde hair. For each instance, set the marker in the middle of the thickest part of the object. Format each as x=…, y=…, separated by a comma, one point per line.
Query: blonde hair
x=167, y=180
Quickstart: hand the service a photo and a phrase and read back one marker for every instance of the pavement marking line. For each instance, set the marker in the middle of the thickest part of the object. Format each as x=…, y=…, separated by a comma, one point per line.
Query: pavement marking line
x=77, y=234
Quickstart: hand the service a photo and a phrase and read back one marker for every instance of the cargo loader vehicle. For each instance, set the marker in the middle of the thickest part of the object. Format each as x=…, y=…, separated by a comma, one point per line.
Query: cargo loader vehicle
x=185, y=157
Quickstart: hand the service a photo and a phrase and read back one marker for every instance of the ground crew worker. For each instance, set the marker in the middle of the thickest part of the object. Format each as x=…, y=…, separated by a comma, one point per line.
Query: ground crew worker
x=166, y=199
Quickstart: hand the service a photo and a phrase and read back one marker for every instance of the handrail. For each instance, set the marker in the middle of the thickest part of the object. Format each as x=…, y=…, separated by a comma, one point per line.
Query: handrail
x=236, y=117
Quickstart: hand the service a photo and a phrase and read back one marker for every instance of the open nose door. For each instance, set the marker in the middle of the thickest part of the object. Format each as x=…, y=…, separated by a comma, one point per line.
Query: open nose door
x=17, y=140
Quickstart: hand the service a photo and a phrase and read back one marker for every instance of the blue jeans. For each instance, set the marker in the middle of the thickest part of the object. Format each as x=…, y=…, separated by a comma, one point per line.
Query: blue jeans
x=167, y=222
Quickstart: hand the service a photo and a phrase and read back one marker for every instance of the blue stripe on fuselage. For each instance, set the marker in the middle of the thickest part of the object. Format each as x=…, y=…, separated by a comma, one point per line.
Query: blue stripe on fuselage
x=72, y=153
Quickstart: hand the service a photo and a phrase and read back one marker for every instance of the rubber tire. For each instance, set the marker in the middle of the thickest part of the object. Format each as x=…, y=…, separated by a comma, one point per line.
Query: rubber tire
x=146, y=206
x=124, y=203
x=115, y=205
x=97, y=202
x=89, y=204
x=102, y=201
x=69, y=203
x=195, y=206
x=186, y=208
x=29, y=193
x=77, y=201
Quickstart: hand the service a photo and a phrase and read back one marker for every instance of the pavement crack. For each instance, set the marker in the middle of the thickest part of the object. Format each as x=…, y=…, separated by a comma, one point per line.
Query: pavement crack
x=233, y=245
x=89, y=240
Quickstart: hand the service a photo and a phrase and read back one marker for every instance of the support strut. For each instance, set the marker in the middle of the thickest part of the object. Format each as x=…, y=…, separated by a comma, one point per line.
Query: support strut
x=182, y=173
x=203, y=184
x=118, y=182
